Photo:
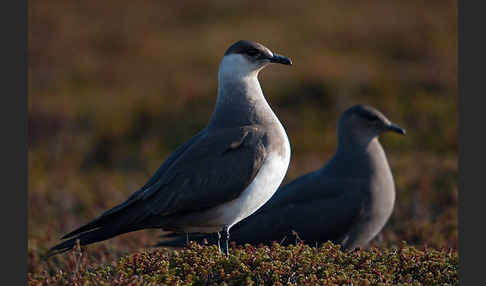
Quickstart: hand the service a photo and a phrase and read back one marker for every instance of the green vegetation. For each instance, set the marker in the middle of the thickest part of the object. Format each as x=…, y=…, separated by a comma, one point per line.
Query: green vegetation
x=275, y=265
x=115, y=86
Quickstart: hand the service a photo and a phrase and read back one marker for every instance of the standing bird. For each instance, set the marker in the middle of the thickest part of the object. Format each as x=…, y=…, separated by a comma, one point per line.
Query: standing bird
x=347, y=201
x=221, y=175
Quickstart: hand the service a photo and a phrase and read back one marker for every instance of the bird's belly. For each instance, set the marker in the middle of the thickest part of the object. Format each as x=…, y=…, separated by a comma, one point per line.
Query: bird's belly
x=375, y=217
x=261, y=189
x=381, y=210
x=258, y=192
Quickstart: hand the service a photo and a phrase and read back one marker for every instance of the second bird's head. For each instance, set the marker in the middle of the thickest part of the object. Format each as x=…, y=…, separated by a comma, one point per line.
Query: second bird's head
x=362, y=123
x=247, y=57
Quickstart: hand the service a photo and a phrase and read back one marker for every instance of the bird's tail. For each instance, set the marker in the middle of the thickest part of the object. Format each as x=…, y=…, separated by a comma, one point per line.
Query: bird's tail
x=85, y=238
x=121, y=219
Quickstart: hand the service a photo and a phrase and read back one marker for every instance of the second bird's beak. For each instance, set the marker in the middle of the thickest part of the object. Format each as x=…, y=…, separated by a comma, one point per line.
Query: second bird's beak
x=395, y=128
x=280, y=59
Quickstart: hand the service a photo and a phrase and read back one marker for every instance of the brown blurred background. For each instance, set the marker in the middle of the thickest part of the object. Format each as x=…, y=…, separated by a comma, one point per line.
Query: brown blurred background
x=115, y=86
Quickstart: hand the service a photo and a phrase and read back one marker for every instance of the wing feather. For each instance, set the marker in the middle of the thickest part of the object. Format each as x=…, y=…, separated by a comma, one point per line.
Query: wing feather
x=209, y=169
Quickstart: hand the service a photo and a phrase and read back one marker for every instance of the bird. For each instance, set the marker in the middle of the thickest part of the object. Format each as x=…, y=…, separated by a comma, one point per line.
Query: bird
x=219, y=176
x=347, y=201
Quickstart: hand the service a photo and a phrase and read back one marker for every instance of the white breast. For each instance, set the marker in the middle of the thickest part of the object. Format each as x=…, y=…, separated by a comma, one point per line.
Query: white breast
x=258, y=192
x=261, y=189
x=264, y=185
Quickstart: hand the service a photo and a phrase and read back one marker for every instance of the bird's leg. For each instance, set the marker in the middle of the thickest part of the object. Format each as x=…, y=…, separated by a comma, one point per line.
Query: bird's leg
x=218, y=239
x=187, y=239
x=225, y=240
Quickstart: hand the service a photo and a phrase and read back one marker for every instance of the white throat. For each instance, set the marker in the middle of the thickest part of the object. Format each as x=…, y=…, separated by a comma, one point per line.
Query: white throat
x=236, y=73
x=240, y=97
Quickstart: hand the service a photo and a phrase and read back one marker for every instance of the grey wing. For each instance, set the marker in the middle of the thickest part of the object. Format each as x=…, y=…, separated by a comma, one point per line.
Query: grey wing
x=318, y=212
x=318, y=209
x=214, y=168
x=105, y=217
x=214, y=171
x=159, y=173
x=301, y=189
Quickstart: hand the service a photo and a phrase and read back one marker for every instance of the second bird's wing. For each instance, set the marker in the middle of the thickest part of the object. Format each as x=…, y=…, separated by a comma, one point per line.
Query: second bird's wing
x=317, y=209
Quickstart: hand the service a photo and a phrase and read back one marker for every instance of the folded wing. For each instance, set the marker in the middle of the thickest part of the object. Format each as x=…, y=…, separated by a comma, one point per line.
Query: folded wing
x=208, y=170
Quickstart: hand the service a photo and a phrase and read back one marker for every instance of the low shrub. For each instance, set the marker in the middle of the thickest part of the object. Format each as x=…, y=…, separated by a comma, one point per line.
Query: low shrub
x=264, y=265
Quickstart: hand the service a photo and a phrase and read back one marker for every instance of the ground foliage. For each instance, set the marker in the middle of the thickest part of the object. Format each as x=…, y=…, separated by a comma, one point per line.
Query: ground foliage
x=264, y=265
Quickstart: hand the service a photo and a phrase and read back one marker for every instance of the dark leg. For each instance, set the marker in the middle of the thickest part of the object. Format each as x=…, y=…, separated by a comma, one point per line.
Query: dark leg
x=218, y=239
x=187, y=239
x=225, y=240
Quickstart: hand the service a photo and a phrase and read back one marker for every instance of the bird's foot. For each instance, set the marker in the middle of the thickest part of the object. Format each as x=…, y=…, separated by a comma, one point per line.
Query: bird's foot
x=225, y=240
x=218, y=239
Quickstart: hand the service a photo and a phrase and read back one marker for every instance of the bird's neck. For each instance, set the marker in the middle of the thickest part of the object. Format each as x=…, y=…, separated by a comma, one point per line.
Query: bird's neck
x=240, y=100
x=355, y=159
x=353, y=140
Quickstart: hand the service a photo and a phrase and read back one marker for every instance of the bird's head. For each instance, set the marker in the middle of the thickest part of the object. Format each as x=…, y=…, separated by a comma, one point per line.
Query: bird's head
x=363, y=123
x=247, y=57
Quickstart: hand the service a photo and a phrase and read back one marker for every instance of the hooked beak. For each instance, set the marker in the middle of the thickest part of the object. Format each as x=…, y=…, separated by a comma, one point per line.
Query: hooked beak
x=280, y=59
x=395, y=128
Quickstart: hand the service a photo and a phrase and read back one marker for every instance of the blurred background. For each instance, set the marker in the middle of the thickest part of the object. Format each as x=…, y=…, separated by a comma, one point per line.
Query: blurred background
x=115, y=86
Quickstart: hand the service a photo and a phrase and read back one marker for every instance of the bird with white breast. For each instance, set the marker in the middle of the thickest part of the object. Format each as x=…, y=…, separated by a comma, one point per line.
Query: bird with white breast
x=347, y=201
x=218, y=177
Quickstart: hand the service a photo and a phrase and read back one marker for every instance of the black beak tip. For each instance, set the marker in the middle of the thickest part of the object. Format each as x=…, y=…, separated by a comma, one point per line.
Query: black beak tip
x=397, y=129
x=281, y=60
x=287, y=61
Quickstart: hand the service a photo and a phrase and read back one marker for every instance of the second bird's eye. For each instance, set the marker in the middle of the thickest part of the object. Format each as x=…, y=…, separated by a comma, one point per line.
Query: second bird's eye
x=370, y=117
x=252, y=52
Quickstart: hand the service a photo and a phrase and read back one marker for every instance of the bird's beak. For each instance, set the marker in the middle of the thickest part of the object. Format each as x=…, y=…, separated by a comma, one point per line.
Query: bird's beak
x=280, y=59
x=395, y=128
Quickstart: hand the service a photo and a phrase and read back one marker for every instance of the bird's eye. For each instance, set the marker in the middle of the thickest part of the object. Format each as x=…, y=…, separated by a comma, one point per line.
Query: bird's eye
x=370, y=117
x=252, y=52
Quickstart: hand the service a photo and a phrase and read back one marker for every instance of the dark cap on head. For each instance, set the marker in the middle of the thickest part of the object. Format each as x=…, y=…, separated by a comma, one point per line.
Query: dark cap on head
x=243, y=46
x=372, y=116
x=256, y=51
x=365, y=111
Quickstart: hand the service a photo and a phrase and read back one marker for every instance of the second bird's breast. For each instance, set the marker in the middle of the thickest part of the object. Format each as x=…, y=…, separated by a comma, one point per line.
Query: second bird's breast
x=379, y=207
